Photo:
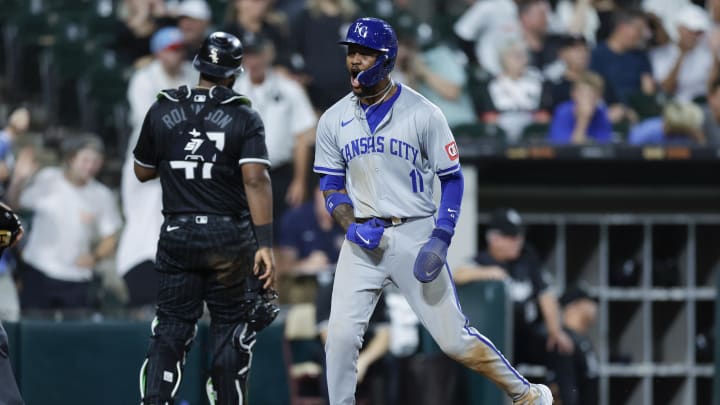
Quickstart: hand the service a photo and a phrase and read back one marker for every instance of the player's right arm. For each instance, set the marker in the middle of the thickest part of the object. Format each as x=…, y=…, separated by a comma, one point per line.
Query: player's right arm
x=343, y=214
x=146, y=157
x=330, y=165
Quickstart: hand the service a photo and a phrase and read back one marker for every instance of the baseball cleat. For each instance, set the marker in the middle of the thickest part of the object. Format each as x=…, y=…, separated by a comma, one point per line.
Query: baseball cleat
x=538, y=394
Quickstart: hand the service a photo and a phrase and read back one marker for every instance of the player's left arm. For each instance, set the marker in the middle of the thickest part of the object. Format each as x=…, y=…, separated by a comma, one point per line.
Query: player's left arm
x=259, y=196
x=437, y=141
x=254, y=166
x=444, y=158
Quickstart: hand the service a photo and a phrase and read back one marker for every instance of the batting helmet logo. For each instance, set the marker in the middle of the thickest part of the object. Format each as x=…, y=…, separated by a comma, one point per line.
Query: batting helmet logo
x=361, y=30
x=214, y=56
x=220, y=55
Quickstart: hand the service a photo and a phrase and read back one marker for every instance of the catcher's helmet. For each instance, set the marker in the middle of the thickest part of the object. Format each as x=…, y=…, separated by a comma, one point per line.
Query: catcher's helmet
x=220, y=55
x=376, y=34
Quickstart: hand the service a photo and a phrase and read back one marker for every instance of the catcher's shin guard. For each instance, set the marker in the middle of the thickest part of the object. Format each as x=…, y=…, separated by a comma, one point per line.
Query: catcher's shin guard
x=231, y=365
x=161, y=372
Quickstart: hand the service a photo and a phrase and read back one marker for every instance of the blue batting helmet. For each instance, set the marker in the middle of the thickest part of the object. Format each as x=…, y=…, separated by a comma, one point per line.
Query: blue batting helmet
x=376, y=34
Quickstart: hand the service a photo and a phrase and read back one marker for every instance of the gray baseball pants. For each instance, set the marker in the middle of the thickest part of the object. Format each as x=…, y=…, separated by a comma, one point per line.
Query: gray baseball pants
x=359, y=279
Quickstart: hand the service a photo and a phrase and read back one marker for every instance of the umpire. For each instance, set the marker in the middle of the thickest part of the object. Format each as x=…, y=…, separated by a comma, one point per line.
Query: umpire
x=10, y=232
x=208, y=148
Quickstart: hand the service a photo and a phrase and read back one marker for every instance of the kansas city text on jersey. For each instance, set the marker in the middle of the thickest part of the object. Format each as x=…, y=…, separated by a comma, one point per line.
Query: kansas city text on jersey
x=376, y=144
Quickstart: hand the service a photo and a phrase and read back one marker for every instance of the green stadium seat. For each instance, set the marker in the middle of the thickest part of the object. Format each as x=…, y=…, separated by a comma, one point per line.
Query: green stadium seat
x=9, y=9
x=23, y=33
x=535, y=133
x=645, y=105
x=479, y=130
x=700, y=100
x=100, y=30
x=64, y=6
x=102, y=89
x=620, y=131
x=219, y=9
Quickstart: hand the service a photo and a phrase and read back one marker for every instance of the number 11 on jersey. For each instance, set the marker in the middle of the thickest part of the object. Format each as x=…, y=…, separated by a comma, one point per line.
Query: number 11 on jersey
x=417, y=181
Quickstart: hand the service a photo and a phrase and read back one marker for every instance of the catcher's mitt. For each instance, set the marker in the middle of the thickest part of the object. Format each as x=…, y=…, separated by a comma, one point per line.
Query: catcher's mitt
x=10, y=227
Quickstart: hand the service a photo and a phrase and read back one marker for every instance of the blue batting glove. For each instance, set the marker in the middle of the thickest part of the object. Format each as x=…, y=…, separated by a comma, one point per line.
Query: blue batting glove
x=431, y=258
x=366, y=235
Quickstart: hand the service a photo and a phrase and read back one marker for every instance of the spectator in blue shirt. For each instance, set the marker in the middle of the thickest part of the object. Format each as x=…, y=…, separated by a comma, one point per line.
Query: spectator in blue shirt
x=681, y=123
x=308, y=245
x=585, y=117
x=620, y=61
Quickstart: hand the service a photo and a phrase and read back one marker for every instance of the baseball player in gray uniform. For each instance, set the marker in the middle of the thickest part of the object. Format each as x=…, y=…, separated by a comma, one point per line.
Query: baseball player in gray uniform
x=378, y=151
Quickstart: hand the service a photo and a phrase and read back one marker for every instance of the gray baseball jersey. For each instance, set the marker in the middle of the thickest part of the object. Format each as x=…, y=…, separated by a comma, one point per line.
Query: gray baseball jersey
x=390, y=173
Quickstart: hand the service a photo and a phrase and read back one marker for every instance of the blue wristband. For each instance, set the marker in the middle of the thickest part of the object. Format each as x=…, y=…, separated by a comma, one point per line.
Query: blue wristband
x=335, y=199
x=443, y=234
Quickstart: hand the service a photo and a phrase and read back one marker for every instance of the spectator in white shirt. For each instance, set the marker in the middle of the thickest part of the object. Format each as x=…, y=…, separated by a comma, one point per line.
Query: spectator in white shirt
x=289, y=121
x=579, y=17
x=74, y=225
x=194, y=19
x=665, y=10
x=168, y=70
x=484, y=26
x=516, y=95
x=683, y=67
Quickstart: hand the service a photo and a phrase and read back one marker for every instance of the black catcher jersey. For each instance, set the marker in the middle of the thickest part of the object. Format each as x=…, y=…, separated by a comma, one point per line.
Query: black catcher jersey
x=197, y=140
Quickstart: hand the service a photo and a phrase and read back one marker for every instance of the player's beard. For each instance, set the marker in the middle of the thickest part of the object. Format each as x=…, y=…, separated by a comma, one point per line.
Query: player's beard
x=376, y=94
x=362, y=92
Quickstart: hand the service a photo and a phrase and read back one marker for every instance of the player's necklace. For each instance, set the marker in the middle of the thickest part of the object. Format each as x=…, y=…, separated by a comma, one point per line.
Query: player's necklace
x=382, y=93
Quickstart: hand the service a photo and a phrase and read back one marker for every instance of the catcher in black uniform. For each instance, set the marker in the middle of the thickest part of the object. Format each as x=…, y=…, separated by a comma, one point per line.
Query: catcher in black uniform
x=208, y=147
x=10, y=232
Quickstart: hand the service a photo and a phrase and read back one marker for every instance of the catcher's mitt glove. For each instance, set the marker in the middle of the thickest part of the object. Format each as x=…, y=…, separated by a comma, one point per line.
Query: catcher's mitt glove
x=10, y=227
